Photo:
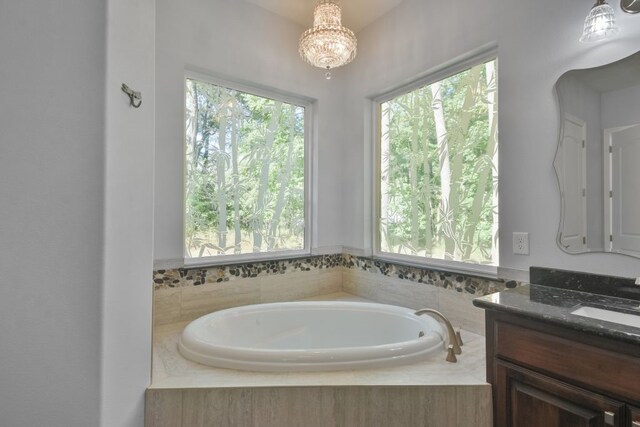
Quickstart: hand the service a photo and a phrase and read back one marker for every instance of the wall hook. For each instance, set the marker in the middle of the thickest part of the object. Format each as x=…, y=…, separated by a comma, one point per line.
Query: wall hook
x=133, y=96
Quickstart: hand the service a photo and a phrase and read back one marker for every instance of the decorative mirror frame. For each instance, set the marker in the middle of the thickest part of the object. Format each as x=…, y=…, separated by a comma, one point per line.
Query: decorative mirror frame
x=558, y=161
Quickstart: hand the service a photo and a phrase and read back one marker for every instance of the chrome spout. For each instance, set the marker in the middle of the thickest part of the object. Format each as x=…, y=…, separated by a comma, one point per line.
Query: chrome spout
x=453, y=340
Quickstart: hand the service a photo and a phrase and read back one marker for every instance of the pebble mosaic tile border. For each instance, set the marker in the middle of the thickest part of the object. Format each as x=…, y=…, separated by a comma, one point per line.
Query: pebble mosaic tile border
x=479, y=286
x=183, y=277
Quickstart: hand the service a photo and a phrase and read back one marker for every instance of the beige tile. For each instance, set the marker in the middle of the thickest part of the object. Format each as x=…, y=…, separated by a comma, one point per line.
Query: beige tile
x=288, y=287
x=293, y=406
x=473, y=406
x=338, y=296
x=442, y=402
x=360, y=283
x=388, y=290
x=163, y=408
x=371, y=406
x=330, y=281
x=299, y=285
x=396, y=406
x=219, y=407
x=166, y=306
x=459, y=308
x=200, y=300
x=194, y=408
x=408, y=294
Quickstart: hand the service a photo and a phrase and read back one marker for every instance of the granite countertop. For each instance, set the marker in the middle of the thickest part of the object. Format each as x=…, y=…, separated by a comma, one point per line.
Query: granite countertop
x=555, y=304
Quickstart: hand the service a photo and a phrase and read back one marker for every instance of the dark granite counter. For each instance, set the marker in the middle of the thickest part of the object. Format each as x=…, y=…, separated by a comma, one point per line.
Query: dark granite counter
x=555, y=304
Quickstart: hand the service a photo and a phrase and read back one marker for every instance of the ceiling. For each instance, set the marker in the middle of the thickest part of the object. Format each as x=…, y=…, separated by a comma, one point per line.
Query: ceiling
x=356, y=14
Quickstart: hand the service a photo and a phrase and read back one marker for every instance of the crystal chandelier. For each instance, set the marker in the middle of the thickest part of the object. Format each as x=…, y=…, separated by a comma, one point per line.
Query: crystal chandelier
x=600, y=23
x=328, y=44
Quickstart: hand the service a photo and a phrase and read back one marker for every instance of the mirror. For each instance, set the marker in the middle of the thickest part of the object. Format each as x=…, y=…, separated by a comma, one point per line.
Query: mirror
x=598, y=158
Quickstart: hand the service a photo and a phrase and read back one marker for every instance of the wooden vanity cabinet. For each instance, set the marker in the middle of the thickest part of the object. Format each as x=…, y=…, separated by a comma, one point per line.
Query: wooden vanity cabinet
x=534, y=400
x=634, y=416
x=545, y=375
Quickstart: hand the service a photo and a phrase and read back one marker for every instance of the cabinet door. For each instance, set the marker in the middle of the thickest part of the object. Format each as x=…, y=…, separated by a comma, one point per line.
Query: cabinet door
x=527, y=399
x=634, y=417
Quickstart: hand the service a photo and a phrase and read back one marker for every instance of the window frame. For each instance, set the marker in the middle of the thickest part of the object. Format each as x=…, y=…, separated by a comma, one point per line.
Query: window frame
x=439, y=73
x=276, y=95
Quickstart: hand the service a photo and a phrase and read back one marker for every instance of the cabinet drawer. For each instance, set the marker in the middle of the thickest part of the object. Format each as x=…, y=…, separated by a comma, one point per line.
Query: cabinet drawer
x=581, y=364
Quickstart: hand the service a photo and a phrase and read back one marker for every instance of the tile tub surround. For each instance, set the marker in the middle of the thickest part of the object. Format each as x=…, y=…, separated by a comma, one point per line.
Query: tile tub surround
x=197, y=276
x=434, y=392
x=185, y=294
x=172, y=371
x=398, y=406
x=185, y=277
x=190, y=302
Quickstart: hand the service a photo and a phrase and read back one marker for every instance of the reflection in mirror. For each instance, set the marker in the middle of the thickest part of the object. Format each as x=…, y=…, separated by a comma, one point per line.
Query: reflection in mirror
x=598, y=158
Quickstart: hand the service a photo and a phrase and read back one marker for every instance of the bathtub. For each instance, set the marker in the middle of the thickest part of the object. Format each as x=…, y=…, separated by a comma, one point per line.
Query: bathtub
x=311, y=336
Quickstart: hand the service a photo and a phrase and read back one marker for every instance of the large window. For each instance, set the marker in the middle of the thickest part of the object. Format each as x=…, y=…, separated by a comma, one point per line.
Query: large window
x=245, y=173
x=437, y=161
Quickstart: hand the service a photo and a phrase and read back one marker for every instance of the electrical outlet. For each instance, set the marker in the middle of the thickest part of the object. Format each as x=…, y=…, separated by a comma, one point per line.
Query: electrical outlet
x=521, y=243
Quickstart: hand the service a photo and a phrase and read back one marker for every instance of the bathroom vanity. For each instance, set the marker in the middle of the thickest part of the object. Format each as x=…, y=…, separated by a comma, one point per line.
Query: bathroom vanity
x=552, y=363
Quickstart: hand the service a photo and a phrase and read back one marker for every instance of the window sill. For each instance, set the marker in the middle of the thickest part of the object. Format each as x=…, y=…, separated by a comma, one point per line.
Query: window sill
x=213, y=261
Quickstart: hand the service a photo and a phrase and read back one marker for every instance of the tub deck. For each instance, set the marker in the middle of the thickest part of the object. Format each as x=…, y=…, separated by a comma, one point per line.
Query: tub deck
x=182, y=389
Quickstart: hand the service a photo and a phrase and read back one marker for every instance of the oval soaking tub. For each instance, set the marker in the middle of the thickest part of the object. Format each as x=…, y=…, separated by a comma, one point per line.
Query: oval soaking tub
x=311, y=336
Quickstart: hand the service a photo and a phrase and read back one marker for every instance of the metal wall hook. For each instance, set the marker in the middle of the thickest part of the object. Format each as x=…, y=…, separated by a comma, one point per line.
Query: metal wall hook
x=133, y=96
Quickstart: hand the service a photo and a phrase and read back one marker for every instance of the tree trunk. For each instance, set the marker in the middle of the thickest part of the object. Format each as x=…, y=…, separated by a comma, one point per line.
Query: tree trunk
x=284, y=182
x=492, y=105
x=413, y=174
x=426, y=181
x=458, y=139
x=221, y=166
x=385, y=173
x=237, y=248
x=480, y=197
x=258, y=219
x=191, y=127
x=448, y=219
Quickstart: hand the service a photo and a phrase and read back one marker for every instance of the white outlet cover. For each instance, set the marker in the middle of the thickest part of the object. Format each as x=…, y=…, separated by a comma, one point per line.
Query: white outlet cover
x=521, y=243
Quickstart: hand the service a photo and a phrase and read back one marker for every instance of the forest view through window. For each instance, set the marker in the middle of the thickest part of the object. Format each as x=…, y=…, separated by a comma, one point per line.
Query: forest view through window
x=438, y=165
x=245, y=173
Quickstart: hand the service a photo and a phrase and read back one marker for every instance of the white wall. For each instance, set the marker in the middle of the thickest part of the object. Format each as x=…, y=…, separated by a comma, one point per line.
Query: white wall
x=241, y=42
x=52, y=75
x=128, y=232
x=76, y=188
x=621, y=107
x=537, y=44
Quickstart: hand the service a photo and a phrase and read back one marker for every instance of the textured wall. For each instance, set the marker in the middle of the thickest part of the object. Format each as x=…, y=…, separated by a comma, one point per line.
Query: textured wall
x=128, y=247
x=52, y=82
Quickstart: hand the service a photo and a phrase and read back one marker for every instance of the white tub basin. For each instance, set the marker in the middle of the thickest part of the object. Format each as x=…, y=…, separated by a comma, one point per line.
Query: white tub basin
x=608, y=316
x=311, y=336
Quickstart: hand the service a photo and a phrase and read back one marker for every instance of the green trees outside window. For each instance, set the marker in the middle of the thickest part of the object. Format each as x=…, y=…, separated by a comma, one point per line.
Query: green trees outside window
x=438, y=163
x=245, y=183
